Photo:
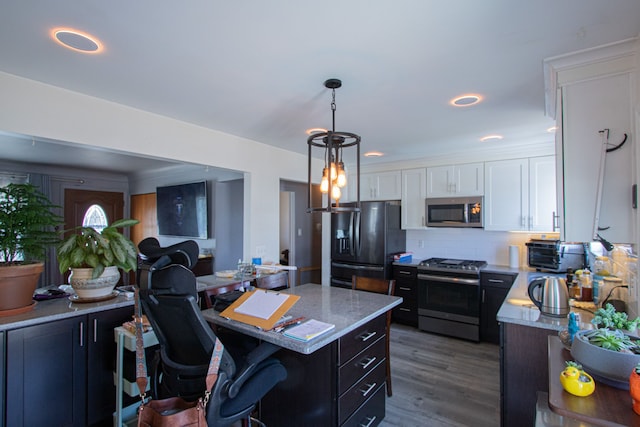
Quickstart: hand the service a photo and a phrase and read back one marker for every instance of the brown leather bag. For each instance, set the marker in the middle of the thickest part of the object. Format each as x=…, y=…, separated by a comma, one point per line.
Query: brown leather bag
x=173, y=411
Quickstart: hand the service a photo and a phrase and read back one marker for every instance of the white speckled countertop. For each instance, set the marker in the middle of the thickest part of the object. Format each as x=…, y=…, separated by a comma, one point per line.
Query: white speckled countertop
x=58, y=309
x=345, y=308
x=518, y=308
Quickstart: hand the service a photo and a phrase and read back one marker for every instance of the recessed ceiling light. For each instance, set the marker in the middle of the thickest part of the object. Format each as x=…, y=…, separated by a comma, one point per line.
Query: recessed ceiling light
x=466, y=100
x=552, y=129
x=491, y=137
x=76, y=40
x=373, y=154
x=315, y=130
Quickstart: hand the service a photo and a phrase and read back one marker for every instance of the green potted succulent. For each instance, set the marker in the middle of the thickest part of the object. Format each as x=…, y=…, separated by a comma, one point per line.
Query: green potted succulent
x=28, y=225
x=608, y=317
x=95, y=257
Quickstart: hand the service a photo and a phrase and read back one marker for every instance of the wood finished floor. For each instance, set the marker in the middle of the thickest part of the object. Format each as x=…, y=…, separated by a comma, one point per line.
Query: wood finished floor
x=440, y=381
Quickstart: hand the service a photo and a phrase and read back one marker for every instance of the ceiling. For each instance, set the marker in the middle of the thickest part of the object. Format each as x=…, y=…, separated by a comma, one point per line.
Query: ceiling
x=256, y=69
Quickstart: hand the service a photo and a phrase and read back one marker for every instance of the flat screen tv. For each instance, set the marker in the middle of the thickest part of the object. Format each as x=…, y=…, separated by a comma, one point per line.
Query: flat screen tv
x=182, y=210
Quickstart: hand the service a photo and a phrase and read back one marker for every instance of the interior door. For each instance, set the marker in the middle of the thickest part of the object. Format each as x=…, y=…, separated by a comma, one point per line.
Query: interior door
x=78, y=202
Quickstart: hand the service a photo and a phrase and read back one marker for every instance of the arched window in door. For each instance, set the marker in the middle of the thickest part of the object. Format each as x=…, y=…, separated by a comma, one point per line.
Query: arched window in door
x=96, y=218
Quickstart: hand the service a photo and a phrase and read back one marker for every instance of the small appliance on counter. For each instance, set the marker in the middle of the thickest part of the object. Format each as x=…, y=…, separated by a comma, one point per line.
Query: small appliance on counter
x=550, y=295
x=555, y=256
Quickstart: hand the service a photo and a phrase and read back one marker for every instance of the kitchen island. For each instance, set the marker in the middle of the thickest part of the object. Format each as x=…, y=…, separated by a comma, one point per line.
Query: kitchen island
x=337, y=378
x=524, y=366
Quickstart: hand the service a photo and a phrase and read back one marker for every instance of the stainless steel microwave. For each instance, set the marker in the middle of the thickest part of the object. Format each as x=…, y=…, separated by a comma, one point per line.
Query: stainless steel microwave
x=455, y=212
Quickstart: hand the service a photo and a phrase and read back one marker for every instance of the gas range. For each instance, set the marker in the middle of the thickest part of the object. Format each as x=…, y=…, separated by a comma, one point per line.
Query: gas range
x=452, y=265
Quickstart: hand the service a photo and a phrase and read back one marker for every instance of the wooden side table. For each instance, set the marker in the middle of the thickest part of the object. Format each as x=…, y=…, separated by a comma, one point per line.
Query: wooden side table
x=607, y=406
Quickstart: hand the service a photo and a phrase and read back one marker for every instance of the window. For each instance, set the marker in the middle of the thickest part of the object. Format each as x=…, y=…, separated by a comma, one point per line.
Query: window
x=96, y=218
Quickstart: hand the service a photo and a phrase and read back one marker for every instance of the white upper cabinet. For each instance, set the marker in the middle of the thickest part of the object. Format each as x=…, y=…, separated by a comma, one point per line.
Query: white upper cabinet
x=520, y=194
x=414, y=191
x=587, y=92
x=455, y=180
x=376, y=186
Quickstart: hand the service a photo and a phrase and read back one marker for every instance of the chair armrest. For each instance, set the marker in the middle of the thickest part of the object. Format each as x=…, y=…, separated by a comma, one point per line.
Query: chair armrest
x=256, y=356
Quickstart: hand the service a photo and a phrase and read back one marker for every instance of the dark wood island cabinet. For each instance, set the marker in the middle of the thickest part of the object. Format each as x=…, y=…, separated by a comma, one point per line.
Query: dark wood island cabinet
x=494, y=289
x=406, y=277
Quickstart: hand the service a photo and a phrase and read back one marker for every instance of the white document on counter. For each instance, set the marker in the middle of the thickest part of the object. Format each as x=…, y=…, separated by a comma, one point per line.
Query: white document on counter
x=308, y=330
x=262, y=304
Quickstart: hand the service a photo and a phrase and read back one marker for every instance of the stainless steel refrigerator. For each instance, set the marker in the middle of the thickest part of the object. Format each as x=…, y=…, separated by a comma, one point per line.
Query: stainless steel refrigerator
x=363, y=243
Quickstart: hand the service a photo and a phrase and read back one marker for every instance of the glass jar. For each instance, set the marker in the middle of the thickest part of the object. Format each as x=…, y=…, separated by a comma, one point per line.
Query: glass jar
x=586, y=286
x=602, y=266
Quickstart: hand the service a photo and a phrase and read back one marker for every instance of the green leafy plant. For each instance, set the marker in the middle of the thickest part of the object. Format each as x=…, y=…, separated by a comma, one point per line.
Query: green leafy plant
x=637, y=369
x=608, y=317
x=90, y=249
x=27, y=224
x=612, y=339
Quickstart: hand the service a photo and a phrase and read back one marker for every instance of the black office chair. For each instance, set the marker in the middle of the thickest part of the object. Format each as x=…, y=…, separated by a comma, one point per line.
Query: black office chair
x=187, y=341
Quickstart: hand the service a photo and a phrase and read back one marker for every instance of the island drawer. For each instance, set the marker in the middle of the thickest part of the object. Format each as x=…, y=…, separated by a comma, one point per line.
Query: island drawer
x=360, y=338
x=360, y=392
x=371, y=413
x=360, y=365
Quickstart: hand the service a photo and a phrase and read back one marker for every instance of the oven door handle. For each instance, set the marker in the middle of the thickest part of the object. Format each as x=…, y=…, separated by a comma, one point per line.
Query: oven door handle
x=449, y=279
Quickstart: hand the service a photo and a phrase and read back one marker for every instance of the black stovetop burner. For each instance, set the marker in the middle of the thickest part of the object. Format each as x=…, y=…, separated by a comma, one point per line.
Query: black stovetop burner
x=453, y=264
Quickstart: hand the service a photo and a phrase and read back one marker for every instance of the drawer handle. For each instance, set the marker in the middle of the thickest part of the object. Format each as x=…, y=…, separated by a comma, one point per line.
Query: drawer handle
x=369, y=421
x=368, y=390
x=404, y=272
x=496, y=280
x=367, y=336
x=402, y=288
x=365, y=363
x=404, y=309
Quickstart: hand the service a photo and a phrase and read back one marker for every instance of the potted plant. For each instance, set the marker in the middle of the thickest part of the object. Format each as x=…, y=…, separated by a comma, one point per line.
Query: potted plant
x=27, y=228
x=95, y=257
x=609, y=354
x=608, y=317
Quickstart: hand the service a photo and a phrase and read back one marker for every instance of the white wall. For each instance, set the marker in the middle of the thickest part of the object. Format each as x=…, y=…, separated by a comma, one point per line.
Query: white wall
x=32, y=108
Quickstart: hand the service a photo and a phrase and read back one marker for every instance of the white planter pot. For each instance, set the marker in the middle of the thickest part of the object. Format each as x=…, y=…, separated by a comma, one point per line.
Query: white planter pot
x=86, y=287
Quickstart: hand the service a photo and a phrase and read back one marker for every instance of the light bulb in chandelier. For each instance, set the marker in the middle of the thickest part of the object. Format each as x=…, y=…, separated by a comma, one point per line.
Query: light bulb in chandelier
x=342, y=176
x=335, y=192
x=324, y=184
x=334, y=171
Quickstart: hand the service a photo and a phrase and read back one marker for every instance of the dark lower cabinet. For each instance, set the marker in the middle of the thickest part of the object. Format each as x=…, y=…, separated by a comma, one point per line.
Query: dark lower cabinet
x=3, y=346
x=406, y=277
x=494, y=290
x=341, y=384
x=61, y=373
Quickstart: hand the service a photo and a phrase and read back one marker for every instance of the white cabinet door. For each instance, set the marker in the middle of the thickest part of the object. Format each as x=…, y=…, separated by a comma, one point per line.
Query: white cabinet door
x=376, y=186
x=506, y=195
x=589, y=107
x=439, y=181
x=520, y=194
x=469, y=179
x=542, y=193
x=455, y=180
x=414, y=192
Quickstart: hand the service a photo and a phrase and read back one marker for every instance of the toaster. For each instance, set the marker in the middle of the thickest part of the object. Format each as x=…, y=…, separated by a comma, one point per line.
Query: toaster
x=555, y=256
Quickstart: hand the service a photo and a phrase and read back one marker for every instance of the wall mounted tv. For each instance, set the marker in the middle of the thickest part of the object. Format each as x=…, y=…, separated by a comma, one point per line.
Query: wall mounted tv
x=182, y=210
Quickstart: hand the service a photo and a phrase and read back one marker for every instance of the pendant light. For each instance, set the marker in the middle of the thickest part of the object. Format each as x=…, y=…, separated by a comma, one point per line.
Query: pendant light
x=334, y=177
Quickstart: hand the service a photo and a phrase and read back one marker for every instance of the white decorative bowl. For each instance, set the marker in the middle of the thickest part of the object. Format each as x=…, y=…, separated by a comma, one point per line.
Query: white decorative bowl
x=86, y=287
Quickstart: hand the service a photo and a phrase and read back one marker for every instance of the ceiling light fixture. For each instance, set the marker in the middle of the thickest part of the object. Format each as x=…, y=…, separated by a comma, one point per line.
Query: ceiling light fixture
x=315, y=130
x=373, y=154
x=491, y=137
x=466, y=100
x=552, y=129
x=76, y=40
x=333, y=175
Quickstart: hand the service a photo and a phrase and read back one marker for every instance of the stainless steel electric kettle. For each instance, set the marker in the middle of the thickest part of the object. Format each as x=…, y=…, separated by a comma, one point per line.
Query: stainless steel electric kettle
x=553, y=295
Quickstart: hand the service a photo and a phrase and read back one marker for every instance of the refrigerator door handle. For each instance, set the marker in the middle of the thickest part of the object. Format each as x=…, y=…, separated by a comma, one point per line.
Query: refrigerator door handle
x=357, y=236
x=351, y=236
x=358, y=267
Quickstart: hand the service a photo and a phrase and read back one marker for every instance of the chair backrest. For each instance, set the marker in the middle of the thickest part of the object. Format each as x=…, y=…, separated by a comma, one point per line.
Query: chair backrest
x=379, y=286
x=274, y=281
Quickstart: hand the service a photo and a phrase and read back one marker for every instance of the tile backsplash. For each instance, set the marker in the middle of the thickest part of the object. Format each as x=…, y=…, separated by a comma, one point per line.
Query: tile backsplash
x=464, y=243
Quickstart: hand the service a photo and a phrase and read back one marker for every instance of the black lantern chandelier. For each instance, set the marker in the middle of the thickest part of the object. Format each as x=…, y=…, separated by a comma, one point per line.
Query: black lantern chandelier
x=334, y=178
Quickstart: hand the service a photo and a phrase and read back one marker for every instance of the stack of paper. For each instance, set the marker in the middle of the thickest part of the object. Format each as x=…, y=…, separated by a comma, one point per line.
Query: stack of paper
x=308, y=330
